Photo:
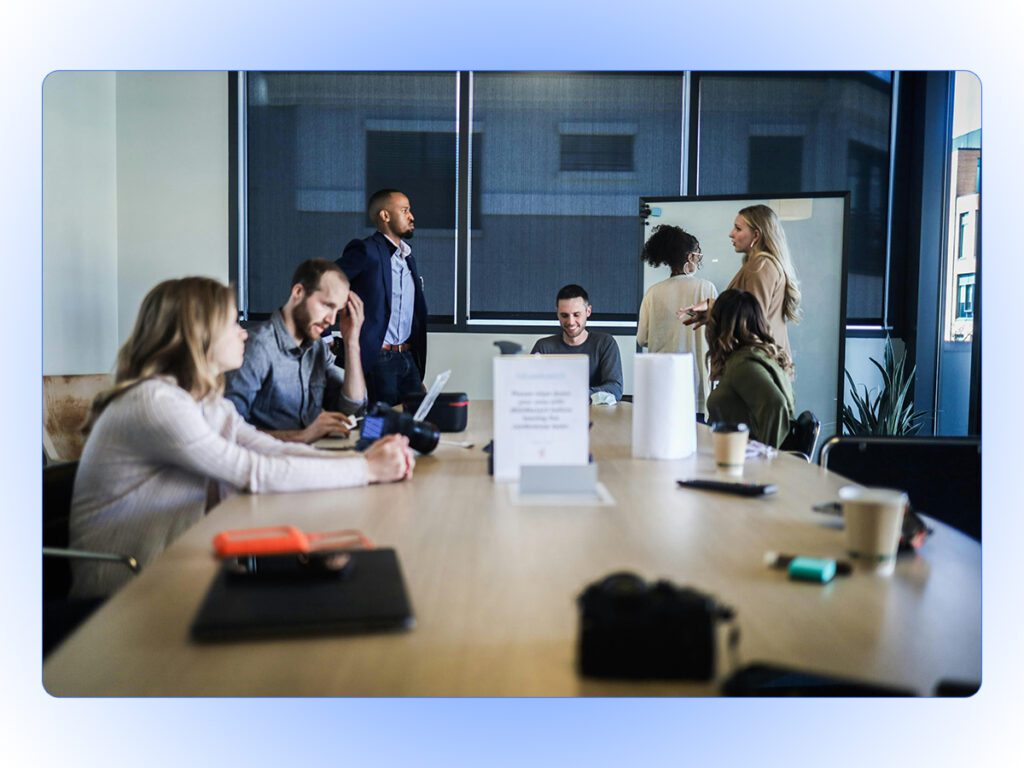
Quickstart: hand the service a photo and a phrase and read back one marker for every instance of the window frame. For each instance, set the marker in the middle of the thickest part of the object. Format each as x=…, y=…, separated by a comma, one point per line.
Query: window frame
x=461, y=322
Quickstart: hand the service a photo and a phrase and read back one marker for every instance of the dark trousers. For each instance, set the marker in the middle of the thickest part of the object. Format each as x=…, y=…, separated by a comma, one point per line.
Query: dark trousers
x=393, y=376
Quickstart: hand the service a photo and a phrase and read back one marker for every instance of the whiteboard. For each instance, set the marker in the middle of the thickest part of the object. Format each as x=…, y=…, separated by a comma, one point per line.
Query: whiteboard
x=815, y=229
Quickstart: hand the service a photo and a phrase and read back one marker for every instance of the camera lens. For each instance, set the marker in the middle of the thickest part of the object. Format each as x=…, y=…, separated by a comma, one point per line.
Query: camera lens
x=423, y=436
x=624, y=584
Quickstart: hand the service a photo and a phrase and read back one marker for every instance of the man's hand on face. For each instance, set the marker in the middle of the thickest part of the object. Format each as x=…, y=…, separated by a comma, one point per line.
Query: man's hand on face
x=350, y=319
x=328, y=423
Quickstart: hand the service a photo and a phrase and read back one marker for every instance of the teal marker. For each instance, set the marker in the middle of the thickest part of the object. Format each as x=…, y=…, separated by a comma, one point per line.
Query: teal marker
x=812, y=569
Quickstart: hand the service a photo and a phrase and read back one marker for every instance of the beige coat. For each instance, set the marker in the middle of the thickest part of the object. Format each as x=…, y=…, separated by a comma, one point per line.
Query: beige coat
x=762, y=277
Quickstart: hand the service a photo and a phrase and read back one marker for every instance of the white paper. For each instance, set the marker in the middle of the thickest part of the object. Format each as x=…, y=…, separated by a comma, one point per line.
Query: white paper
x=541, y=412
x=664, y=407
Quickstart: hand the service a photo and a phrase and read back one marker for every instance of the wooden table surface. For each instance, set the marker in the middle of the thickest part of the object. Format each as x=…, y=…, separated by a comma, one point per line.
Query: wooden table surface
x=493, y=586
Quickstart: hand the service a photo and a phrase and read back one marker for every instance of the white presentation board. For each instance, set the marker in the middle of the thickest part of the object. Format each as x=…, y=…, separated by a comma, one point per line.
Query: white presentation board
x=814, y=226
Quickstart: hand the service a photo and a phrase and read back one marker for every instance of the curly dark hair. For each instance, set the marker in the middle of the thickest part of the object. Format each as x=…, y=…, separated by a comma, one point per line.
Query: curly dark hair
x=672, y=246
x=736, y=321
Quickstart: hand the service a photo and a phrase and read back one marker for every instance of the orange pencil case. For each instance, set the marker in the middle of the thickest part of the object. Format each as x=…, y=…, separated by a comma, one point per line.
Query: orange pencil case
x=285, y=539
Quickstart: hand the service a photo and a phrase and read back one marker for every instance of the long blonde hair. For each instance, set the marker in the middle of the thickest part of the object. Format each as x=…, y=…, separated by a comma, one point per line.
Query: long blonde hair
x=177, y=323
x=736, y=322
x=773, y=246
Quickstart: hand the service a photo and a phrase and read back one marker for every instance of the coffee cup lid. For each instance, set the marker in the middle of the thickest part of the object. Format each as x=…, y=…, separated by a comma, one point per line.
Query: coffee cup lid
x=872, y=495
x=729, y=426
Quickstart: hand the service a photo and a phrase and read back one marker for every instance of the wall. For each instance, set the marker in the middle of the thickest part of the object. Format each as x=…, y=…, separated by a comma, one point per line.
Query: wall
x=172, y=181
x=79, y=222
x=135, y=190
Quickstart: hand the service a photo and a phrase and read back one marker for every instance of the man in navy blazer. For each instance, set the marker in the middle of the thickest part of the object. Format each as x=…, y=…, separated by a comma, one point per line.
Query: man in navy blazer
x=382, y=272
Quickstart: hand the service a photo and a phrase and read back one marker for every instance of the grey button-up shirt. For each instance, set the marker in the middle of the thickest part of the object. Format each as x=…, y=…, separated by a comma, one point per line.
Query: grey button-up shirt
x=282, y=385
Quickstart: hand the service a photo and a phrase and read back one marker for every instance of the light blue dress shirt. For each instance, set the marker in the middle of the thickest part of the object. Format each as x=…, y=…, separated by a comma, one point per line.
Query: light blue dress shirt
x=403, y=295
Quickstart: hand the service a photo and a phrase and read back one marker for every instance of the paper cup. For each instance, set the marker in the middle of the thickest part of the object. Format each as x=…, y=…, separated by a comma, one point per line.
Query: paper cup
x=730, y=443
x=873, y=518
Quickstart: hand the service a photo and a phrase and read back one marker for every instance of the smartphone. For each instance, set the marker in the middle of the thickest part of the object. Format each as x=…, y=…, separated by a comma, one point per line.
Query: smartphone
x=725, y=486
x=328, y=564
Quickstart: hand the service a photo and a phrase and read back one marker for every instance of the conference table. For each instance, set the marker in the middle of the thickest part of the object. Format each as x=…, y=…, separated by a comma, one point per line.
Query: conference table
x=493, y=581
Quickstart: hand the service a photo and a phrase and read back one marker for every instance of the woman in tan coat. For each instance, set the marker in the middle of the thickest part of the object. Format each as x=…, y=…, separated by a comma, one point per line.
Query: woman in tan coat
x=767, y=272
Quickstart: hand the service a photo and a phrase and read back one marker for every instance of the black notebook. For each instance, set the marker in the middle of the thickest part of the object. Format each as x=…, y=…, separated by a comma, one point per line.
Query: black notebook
x=367, y=595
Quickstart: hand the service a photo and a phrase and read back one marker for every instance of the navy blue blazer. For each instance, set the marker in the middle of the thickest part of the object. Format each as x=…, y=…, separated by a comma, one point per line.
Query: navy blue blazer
x=368, y=266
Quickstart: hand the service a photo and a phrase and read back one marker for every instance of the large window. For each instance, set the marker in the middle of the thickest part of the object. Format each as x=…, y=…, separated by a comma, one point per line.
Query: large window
x=959, y=362
x=565, y=159
x=318, y=144
x=808, y=132
x=522, y=182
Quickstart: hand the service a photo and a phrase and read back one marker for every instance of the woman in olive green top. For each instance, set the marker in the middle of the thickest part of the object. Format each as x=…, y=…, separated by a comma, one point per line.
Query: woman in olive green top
x=752, y=371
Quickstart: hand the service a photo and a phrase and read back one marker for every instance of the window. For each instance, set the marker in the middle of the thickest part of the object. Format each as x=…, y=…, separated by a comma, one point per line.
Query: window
x=805, y=132
x=319, y=144
x=960, y=253
x=776, y=164
x=555, y=164
x=965, y=296
x=596, y=153
x=565, y=160
x=958, y=379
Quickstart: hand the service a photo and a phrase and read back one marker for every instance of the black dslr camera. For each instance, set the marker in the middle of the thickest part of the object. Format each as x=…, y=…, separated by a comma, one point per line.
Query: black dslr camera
x=382, y=420
x=632, y=629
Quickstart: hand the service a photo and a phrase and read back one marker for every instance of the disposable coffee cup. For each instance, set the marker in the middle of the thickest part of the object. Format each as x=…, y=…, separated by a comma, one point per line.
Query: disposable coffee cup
x=729, y=440
x=873, y=518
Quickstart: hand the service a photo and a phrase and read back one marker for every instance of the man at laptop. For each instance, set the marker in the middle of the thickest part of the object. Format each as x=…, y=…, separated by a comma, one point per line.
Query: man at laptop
x=573, y=308
x=289, y=384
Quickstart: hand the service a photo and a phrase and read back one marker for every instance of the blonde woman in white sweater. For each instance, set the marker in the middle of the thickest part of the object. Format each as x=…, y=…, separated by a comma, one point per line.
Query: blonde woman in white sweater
x=163, y=445
x=658, y=329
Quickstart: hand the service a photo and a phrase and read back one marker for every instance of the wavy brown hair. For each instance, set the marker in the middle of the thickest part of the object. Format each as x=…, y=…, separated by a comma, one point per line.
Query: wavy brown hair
x=736, y=322
x=774, y=246
x=175, y=327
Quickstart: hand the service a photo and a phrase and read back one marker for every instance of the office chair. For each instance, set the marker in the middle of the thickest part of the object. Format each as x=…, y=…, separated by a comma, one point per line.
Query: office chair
x=941, y=475
x=509, y=347
x=61, y=613
x=66, y=403
x=803, y=435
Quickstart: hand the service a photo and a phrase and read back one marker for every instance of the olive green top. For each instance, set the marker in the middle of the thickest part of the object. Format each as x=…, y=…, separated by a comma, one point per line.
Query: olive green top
x=755, y=390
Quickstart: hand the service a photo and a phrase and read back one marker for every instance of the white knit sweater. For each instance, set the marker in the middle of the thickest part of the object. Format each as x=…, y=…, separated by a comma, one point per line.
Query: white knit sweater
x=660, y=330
x=145, y=473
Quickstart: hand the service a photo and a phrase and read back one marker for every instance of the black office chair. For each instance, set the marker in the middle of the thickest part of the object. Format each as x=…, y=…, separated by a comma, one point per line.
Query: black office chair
x=509, y=347
x=941, y=475
x=803, y=435
x=61, y=613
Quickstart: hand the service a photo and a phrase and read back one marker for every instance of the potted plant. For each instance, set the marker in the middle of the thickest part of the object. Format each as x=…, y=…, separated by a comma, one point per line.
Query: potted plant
x=888, y=410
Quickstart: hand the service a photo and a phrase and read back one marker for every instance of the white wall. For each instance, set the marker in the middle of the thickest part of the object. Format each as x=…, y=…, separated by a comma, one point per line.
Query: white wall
x=79, y=222
x=172, y=181
x=135, y=190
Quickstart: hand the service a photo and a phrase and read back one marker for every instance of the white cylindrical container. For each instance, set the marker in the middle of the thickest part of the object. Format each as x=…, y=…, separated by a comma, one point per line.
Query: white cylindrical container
x=664, y=406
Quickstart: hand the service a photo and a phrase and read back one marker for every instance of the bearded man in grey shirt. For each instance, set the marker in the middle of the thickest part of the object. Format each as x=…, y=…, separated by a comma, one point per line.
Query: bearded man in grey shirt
x=289, y=384
x=573, y=307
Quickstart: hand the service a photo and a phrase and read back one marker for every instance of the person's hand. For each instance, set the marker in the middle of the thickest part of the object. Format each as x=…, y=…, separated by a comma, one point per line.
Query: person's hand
x=350, y=321
x=328, y=423
x=694, y=315
x=390, y=459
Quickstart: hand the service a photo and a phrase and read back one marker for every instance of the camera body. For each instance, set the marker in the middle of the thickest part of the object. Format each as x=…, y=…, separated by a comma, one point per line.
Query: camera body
x=381, y=420
x=636, y=630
